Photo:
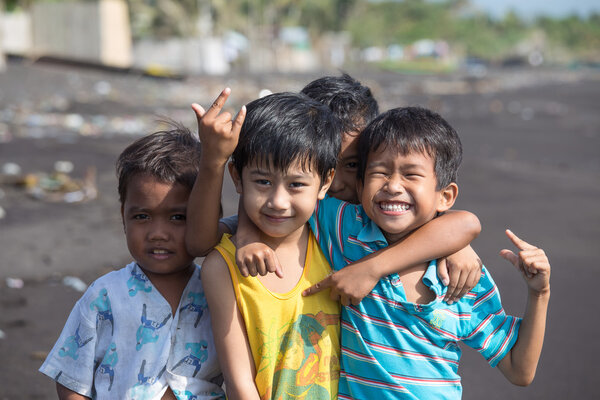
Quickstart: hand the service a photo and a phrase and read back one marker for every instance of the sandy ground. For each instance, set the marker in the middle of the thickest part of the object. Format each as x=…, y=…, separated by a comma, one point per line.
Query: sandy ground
x=531, y=141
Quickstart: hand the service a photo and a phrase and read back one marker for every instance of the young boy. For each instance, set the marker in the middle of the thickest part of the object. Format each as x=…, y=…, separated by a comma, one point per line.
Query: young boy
x=354, y=105
x=144, y=331
x=271, y=341
x=401, y=341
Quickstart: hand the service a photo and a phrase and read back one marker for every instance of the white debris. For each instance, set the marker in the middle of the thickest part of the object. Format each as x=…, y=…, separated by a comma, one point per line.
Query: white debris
x=75, y=283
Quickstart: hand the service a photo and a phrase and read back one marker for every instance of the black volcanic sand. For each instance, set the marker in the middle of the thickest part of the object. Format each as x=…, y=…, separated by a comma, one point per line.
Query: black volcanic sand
x=531, y=141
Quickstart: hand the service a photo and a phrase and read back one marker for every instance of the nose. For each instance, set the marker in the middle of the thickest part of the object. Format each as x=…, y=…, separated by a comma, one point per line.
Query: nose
x=337, y=185
x=279, y=198
x=394, y=184
x=158, y=231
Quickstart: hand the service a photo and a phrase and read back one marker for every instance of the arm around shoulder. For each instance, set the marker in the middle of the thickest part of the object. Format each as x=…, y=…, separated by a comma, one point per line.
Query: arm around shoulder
x=229, y=330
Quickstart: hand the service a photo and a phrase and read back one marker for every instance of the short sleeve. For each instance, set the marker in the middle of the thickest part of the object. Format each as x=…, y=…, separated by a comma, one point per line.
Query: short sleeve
x=231, y=223
x=491, y=332
x=327, y=223
x=71, y=361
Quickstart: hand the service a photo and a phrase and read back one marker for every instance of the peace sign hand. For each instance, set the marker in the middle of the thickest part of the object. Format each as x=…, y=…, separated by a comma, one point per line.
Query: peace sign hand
x=531, y=261
x=217, y=131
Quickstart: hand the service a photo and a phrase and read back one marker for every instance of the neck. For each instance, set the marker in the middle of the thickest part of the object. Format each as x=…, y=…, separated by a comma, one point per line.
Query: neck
x=293, y=239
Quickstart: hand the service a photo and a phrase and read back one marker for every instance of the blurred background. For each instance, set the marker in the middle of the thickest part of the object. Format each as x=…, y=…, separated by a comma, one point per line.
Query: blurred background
x=519, y=80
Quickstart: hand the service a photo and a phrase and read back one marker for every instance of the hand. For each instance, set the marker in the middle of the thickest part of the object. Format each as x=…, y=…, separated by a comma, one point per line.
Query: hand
x=216, y=130
x=257, y=259
x=460, y=272
x=348, y=285
x=531, y=261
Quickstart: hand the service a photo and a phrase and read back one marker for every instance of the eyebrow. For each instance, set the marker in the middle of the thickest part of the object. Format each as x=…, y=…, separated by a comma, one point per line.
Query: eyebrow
x=177, y=209
x=404, y=166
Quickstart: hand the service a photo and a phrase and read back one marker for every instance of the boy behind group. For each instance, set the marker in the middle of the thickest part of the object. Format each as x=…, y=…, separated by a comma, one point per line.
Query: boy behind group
x=143, y=331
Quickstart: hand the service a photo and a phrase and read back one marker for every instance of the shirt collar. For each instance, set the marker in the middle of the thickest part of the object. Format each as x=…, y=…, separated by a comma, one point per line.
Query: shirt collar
x=370, y=232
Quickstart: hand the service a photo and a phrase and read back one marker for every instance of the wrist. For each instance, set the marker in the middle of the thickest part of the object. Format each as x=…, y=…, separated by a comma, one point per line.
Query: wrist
x=213, y=163
x=542, y=294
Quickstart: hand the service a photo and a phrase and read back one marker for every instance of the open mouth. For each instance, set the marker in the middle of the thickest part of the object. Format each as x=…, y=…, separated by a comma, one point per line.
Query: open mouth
x=160, y=253
x=394, y=207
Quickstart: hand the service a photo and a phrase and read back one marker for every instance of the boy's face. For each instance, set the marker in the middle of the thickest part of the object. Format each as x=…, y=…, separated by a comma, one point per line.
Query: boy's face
x=343, y=186
x=154, y=221
x=279, y=203
x=399, y=192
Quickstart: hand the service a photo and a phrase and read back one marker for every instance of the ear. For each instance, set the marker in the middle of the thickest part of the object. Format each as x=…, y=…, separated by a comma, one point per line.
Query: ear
x=447, y=197
x=326, y=184
x=235, y=177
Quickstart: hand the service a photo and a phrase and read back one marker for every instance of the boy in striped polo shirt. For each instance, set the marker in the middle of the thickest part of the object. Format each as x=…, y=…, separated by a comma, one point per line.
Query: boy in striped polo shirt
x=401, y=341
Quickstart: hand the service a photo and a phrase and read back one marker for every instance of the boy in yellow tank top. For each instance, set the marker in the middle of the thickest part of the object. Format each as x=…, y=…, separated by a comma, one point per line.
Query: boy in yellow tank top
x=272, y=342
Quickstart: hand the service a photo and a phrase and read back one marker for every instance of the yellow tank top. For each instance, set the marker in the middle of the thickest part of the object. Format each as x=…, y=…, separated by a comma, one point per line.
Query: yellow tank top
x=295, y=340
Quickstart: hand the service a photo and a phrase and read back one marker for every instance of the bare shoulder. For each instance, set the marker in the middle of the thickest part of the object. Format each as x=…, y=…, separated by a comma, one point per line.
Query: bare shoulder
x=214, y=271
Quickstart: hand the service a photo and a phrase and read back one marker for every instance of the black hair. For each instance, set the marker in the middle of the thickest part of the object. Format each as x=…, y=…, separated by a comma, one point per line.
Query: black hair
x=349, y=100
x=409, y=129
x=172, y=156
x=284, y=128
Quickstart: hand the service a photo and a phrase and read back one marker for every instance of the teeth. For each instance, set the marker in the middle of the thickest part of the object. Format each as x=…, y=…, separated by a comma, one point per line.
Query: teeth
x=394, y=207
x=159, y=252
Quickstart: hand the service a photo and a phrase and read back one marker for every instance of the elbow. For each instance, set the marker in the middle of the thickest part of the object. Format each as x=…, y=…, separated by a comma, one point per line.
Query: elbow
x=195, y=250
x=473, y=224
x=523, y=380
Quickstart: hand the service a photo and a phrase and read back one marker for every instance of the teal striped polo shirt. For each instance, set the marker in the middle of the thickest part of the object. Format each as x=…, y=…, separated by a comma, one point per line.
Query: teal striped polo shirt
x=394, y=349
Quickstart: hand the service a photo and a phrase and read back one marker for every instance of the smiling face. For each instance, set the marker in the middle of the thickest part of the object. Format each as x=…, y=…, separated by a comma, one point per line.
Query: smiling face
x=343, y=186
x=399, y=191
x=154, y=214
x=279, y=203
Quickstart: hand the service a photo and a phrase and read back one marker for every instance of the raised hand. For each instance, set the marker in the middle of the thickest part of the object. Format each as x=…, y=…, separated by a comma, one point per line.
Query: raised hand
x=216, y=129
x=531, y=261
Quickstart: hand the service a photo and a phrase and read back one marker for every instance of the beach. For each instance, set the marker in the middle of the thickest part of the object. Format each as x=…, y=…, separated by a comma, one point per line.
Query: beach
x=531, y=163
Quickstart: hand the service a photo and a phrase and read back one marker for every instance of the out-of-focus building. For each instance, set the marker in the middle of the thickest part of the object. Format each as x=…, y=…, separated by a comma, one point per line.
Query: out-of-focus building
x=91, y=31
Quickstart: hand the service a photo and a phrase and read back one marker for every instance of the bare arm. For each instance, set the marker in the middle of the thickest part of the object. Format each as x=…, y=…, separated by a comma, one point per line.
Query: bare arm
x=67, y=394
x=520, y=364
x=229, y=330
x=439, y=237
x=219, y=135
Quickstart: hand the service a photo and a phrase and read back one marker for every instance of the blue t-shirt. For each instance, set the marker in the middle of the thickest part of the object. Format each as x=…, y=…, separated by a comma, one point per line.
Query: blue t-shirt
x=394, y=349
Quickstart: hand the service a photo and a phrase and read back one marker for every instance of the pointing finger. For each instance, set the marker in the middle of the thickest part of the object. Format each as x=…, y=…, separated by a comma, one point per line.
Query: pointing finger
x=318, y=287
x=520, y=243
x=216, y=107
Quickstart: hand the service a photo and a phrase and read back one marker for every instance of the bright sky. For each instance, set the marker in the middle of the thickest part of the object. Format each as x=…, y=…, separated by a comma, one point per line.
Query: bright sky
x=529, y=8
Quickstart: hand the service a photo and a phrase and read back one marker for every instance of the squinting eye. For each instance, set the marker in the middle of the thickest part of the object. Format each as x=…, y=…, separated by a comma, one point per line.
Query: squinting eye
x=297, y=185
x=140, y=216
x=262, y=182
x=178, y=217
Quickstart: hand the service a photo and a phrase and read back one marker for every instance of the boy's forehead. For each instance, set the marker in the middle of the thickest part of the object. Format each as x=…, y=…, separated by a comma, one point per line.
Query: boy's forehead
x=295, y=167
x=391, y=153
